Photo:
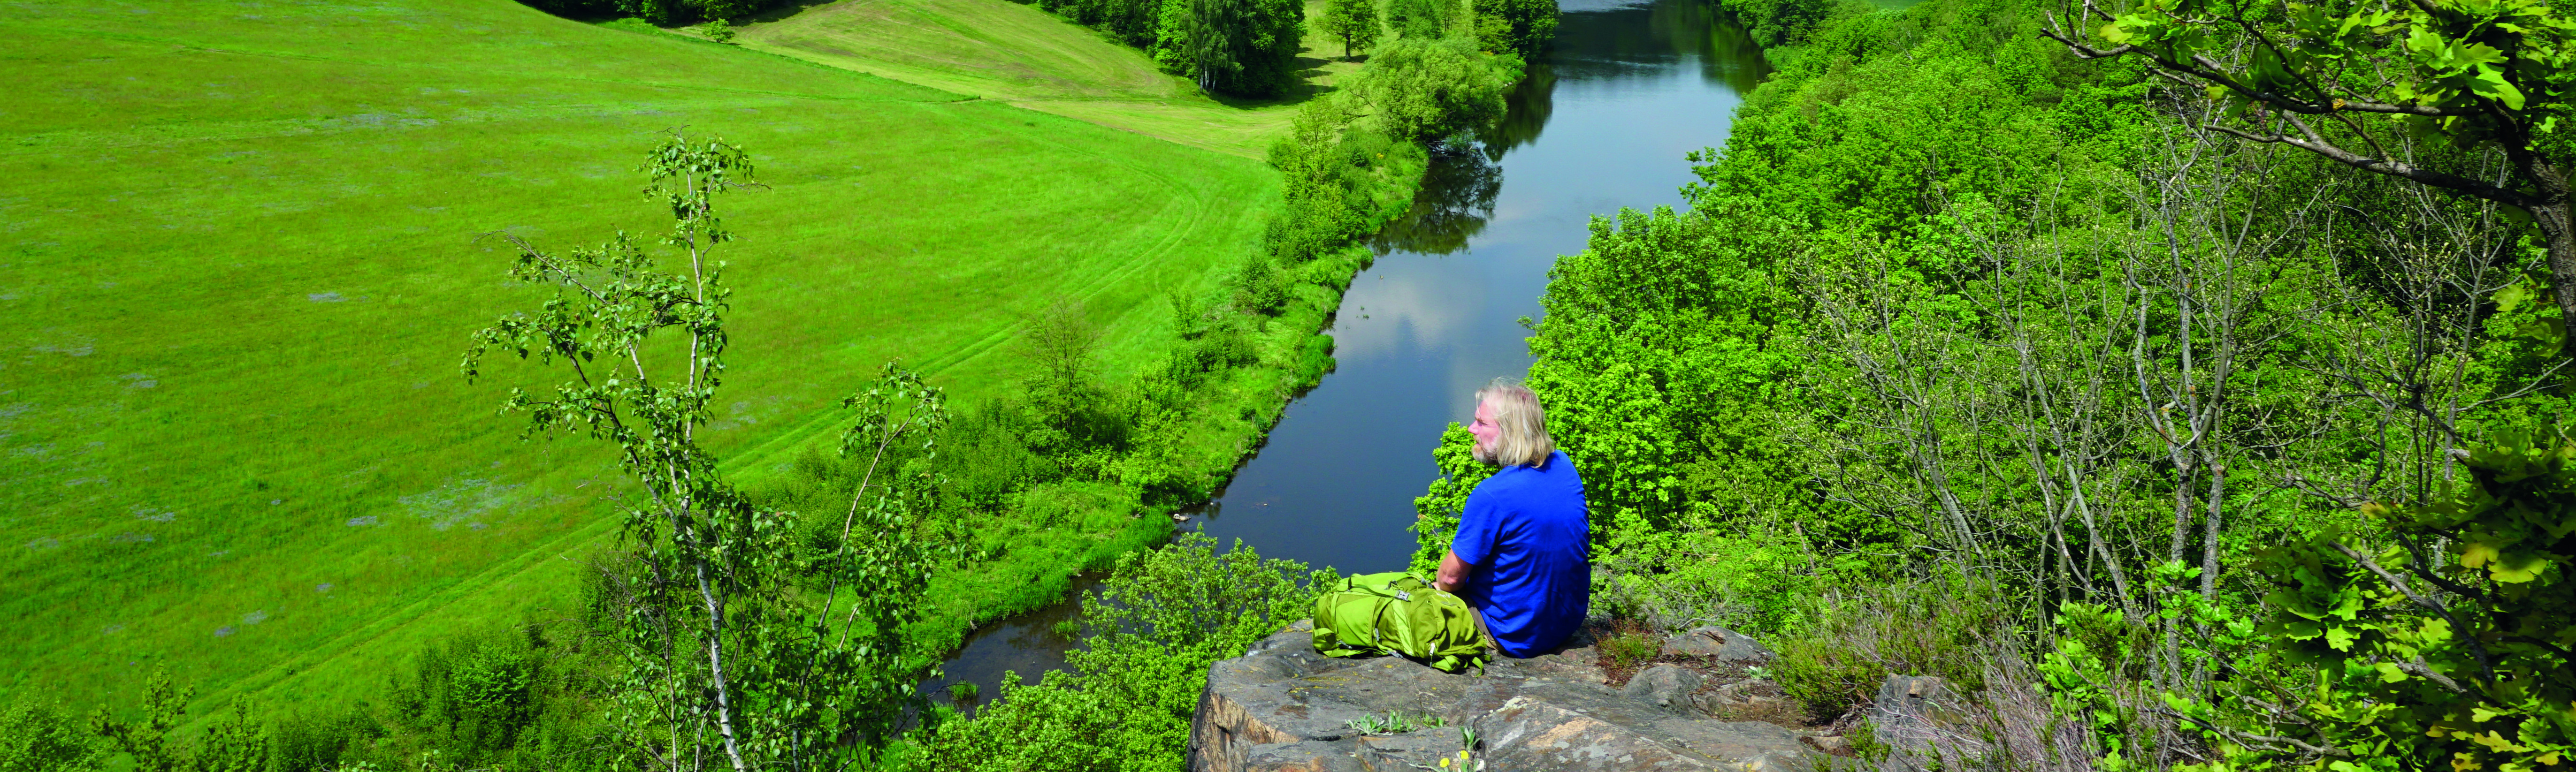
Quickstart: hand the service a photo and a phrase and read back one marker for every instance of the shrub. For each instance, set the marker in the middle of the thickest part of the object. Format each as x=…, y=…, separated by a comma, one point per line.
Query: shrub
x=1422, y=19
x=1261, y=287
x=2449, y=647
x=1944, y=626
x=1162, y=618
x=36, y=736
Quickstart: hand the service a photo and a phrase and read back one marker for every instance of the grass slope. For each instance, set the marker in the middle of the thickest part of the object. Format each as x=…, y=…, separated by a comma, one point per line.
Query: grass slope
x=1016, y=53
x=240, y=255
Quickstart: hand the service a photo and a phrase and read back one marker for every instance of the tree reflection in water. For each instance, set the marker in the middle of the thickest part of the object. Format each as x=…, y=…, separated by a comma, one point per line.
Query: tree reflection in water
x=1527, y=107
x=1456, y=199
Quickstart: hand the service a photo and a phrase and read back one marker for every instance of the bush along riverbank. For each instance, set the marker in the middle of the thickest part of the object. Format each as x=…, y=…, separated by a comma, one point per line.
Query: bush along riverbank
x=788, y=617
x=2164, y=446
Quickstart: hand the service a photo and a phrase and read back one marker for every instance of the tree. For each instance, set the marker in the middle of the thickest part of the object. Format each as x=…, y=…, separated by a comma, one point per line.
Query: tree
x=164, y=704
x=725, y=664
x=1522, y=27
x=1428, y=19
x=1427, y=89
x=2350, y=81
x=1245, y=47
x=1354, y=21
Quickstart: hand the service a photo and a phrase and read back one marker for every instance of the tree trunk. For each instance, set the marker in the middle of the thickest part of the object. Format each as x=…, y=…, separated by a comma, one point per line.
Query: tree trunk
x=2560, y=230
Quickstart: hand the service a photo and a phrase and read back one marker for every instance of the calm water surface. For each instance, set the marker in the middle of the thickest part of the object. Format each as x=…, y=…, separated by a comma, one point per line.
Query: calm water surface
x=1628, y=90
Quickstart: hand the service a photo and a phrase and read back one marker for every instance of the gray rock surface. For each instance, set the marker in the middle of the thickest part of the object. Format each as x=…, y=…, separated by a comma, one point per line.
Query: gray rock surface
x=1741, y=699
x=1717, y=642
x=1281, y=706
x=1666, y=686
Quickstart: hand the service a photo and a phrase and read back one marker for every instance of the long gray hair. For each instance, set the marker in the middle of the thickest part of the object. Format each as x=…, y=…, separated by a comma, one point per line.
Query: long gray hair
x=1524, y=440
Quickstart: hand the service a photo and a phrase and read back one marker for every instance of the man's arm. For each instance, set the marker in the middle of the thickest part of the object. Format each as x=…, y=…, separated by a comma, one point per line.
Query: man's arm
x=1453, y=574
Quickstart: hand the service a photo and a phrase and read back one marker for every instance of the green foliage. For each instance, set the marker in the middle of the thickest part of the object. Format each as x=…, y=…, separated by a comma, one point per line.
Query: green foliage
x=1354, y=22
x=236, y=742
x=1942, y=626
x=718, y=30
x=771, y=674
x=1050, y=726
x=38, y=737
x=2449, y=647
x=1261, y=287
x=472, y=697
x=1520, y=27
x=698, y=535
x=1245, y=47
x=1774, y=23
x=2474, y=74
x=664, y=13
x=1153, y=629
x=1758, y=583
x=1628, y=650
x=1314, y=360
x=1428, y=88
x=2460, y=58
x=1340, y=182
x=1424, y=19
x=414, y=447
x=149, y=741
x=1437, y=510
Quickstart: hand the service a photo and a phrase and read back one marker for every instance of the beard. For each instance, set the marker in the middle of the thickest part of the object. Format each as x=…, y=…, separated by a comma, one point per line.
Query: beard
x=1485, y=455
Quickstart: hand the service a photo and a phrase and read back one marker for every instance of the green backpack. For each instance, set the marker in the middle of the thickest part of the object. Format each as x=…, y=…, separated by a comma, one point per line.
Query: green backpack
x=1397, y=613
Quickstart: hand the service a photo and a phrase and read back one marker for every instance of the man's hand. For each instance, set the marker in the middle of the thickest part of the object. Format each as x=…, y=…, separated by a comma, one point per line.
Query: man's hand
x=1453, y=574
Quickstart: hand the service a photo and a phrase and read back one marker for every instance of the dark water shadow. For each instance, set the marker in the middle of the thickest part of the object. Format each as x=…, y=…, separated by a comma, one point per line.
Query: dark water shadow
x=1526, y=109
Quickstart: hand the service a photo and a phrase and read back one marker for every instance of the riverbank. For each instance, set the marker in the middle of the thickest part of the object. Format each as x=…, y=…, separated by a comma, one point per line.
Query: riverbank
x=1608, y=116
x=1346, y=177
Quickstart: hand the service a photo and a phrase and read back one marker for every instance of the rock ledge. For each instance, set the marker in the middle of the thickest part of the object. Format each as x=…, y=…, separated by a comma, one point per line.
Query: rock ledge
x=1281, y=707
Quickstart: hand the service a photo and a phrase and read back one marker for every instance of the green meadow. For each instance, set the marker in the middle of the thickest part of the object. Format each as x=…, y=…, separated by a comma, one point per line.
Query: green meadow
x=244, y=242
x=1014, y=52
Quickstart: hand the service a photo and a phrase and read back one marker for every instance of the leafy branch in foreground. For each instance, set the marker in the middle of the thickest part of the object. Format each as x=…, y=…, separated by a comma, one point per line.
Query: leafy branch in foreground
x=2319, y=77
x=2449, y=647
x=726, y=663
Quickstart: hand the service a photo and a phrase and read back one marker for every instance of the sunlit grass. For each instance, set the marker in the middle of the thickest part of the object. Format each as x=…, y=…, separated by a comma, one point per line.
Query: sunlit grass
x=241, y=250
x=997, y=49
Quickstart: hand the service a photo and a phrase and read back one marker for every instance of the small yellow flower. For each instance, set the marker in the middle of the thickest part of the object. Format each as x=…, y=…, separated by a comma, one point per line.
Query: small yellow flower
x=1444, y=763
x=1462, y=753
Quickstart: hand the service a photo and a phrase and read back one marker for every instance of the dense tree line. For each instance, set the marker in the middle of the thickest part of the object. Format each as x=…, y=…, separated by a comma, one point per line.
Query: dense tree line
x=2043, y=367
x=658, y=12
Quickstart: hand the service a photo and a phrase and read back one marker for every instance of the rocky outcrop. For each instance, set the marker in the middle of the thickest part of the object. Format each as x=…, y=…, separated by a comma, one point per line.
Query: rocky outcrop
x=1281, y=706
x=1717, y=643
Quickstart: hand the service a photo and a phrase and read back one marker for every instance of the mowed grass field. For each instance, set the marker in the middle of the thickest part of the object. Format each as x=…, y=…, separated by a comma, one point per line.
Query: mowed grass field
x=997, y=49
x=242, y=248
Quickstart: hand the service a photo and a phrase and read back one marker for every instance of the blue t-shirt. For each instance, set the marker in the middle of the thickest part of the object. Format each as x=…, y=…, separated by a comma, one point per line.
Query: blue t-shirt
x=1526, y=533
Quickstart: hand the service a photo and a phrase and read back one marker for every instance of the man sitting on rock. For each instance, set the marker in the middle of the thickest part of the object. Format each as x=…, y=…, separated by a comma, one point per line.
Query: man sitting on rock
x=1522, y=557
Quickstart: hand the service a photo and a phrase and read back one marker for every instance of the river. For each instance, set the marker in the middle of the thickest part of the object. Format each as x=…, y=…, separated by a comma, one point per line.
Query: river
x=1604, y=123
